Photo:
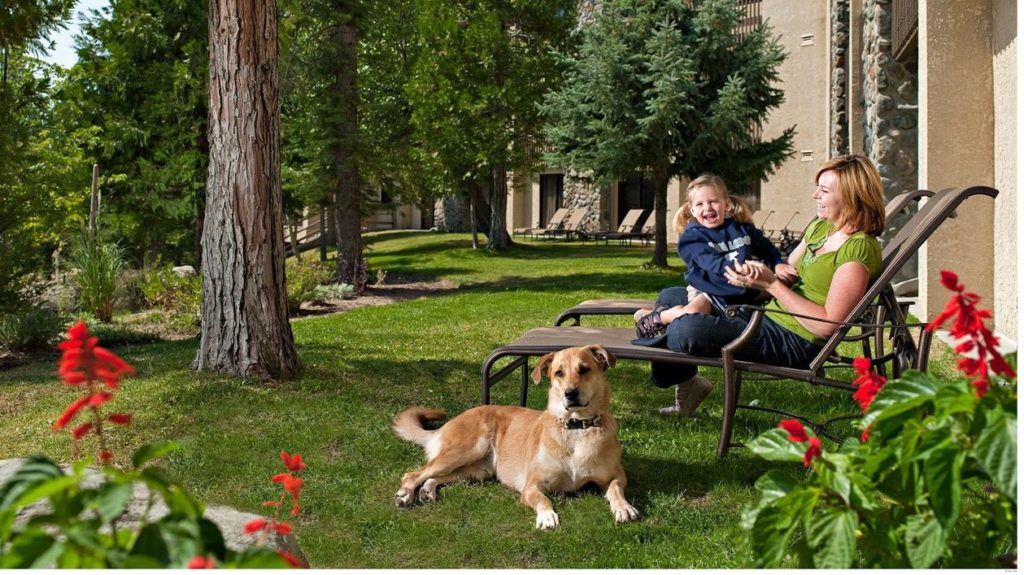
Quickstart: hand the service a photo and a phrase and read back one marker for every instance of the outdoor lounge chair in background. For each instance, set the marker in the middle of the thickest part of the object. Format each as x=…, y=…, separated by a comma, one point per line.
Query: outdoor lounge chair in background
x=599, y=307
x=646, y=232
x=626, y=228
x=554, y=224
x=895, y=344
x=572, y=225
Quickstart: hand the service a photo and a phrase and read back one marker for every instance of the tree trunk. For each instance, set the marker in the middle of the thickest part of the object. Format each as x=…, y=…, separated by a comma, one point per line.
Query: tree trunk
x=348, y=195
x=660, y=258
x=245, y=329
x=498, y=238
x=473, y=227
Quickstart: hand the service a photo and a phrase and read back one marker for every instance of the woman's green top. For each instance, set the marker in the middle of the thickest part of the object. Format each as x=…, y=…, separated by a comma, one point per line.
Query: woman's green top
x=816, y=271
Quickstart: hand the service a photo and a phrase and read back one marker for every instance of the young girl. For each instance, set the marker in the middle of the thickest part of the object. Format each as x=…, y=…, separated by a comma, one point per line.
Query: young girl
x=716, y=233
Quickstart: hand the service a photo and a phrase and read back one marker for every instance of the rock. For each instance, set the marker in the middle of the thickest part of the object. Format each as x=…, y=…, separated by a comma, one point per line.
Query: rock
x=184, y=271
x=230, y=521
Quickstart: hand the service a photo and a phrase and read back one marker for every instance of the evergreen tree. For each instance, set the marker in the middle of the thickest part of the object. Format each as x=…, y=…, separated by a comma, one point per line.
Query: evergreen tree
x=666, y=88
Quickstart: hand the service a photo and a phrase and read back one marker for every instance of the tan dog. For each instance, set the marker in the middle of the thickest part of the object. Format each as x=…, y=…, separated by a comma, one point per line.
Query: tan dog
x=572, y=443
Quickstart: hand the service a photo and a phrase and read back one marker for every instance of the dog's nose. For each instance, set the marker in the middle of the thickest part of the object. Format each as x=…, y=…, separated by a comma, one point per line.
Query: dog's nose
x=572, y=395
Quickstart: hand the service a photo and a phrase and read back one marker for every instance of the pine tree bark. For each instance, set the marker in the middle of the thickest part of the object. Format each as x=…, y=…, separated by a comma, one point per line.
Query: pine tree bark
x=348, y=193
x=499, y=238
x=245, y=329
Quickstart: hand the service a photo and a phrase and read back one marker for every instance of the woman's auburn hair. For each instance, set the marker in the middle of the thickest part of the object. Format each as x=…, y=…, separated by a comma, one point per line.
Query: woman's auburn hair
x=738, y=209
x=860, y=187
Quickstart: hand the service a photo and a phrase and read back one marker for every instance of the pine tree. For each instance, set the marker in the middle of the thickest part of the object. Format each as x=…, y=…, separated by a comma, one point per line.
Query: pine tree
x=665, y=89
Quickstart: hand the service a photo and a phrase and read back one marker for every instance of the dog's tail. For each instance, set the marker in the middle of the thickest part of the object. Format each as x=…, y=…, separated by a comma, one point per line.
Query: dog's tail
x=410, y=424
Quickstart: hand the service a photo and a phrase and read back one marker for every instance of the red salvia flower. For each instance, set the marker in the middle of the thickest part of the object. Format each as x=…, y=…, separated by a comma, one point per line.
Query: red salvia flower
x=282, y=528
x=868, y=383
x=293, y=462
x=119, y=418
x=292, y=560
x=106, y=456
x=865, y=435
x=796, y=430
x=271, y=503
x=813, y=450
x=255, y=525
x=968, y=324
x=70, y=413
x=201, y=562
x=81, y=431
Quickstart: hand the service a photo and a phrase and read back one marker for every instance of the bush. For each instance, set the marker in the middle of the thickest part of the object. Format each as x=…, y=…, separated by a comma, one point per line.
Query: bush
x=30, y=330
x=302, y=279
x=181, y=296
x=334, y=291
x=97, y=266
x=932, y=483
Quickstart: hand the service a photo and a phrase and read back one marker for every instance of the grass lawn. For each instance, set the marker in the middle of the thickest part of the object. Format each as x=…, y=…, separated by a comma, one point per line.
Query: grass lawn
x=363, y=366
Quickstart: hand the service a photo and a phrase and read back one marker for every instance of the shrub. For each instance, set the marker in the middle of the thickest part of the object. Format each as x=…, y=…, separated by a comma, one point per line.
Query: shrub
x=85, y=524
x=932, y=481
x=334, y=291
x=30, y=330
x=179, y=295
x=97, y=268
x=302, y=279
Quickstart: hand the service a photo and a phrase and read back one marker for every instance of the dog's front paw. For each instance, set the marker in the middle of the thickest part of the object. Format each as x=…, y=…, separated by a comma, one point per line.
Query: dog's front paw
x=403, y=498
x=625, y=513
x=428, y=491
x=547, y=520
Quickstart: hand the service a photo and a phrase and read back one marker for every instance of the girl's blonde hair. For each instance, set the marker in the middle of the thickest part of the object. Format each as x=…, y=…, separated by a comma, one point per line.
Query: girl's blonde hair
x=737, y=210
x=860, y=187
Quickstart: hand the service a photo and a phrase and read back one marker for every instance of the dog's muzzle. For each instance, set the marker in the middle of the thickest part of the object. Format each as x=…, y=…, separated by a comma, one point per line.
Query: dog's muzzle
x=571, y=398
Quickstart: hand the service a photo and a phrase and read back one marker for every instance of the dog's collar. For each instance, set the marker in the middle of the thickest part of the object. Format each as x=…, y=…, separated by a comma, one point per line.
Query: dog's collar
x=572, y=423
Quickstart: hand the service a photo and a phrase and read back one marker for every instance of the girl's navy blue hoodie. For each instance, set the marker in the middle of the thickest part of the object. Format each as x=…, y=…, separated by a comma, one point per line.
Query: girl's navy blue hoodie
x=708, y=251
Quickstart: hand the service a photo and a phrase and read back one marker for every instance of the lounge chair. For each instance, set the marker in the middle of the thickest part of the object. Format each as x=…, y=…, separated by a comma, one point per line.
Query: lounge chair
x=555, y=223
x=572, y=225
x=626, y=228
x=889, y=325
x=646, y=232
x=628, y=306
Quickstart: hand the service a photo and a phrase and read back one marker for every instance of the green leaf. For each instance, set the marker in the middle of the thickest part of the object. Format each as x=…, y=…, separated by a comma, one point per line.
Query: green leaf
x=773, y=445
x=925, y=540
x=833, y=475
x=150, y=544
x=942, y=480
x=32, y=547
x=996, y=451
x=43, y=490
x=775, y=523
x=911, y=390
x=832, y=535
x=152, y=451
x=774, y=484
x=113, y=500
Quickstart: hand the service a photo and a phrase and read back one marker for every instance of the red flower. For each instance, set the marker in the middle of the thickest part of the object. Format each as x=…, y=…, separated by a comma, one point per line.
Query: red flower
x=865, y=435
x=255, y=525
x=292, y=560
x=282, y=528
x=796, y=430
x=119, y=418
x=292, y=485
x=81, y=431
x=868, y=383
x=106, y=456
x=201, y=562
x=70, y=413
x=813, y=450
x=293, y=462
x=969, y=325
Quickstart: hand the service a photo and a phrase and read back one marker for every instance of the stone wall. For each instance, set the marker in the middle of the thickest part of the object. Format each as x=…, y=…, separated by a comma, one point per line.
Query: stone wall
x=838, y=110
x=451, y=214
x=577, y=194
x=890, y=112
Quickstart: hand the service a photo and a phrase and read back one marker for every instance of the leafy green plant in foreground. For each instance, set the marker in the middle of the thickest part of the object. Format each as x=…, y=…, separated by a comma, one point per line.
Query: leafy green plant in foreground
x=88, y=522
x=933, y=481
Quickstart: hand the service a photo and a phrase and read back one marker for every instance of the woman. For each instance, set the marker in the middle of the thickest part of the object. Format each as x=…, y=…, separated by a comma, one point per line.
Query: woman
x=836, y=260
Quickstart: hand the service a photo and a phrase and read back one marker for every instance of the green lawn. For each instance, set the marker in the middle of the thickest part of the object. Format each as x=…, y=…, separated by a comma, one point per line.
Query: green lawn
x=363, y=366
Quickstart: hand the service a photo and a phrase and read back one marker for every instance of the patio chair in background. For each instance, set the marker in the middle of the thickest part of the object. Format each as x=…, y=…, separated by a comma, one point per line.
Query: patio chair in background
x=572, y=225
x=553, y=224
x=889, y=328
x=626, y=228
x=646, y=232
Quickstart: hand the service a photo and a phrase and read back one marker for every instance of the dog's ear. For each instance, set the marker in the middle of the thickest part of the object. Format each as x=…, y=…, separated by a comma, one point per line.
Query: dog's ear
x=542, y=367
x=602, y=355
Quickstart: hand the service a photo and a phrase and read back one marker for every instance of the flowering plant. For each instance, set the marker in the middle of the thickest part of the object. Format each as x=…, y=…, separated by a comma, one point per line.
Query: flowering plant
x=934, y=459
x=89, y=521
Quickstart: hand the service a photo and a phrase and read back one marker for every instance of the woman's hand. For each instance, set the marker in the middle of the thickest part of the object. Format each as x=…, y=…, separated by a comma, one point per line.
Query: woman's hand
x=786, y=273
